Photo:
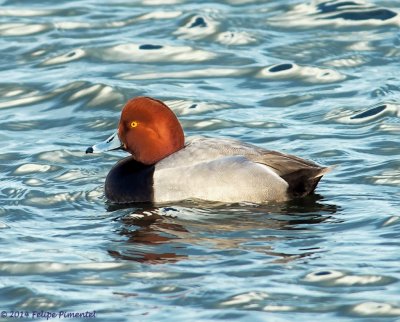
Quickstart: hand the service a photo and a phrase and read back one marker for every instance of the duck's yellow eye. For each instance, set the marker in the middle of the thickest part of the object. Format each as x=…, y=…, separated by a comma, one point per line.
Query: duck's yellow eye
x=134, y=124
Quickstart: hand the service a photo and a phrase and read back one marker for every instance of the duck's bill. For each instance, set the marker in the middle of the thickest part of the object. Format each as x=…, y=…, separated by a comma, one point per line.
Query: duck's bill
x=112, y=143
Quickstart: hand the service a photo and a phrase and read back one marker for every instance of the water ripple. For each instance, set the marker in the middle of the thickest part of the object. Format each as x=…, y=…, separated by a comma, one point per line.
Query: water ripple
x=153, y=53
x=306, y=73
x=197, y=27
x=376, y=309
x=372, y=114
x=201, y=73
x=20, y=29
x=337, y=278
x=236, y=38
x=68, y=57
x=246, y=300
x=12, y=268
x=340, y=13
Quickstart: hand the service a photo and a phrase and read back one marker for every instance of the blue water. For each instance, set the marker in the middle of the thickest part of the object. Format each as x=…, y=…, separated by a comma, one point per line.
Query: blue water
x=319, y=79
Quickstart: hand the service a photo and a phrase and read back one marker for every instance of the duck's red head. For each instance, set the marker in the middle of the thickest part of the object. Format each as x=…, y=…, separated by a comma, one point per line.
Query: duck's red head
x=149, y=130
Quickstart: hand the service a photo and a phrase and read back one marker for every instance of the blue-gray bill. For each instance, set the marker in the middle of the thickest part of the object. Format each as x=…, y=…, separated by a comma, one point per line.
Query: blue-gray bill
x=112, y=143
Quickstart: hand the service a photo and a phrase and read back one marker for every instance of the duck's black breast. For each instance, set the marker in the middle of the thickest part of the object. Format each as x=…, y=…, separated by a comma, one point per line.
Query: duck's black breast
x=130, y=181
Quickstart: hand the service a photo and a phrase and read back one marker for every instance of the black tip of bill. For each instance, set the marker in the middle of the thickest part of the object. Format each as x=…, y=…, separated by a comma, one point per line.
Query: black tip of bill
x=112, y=143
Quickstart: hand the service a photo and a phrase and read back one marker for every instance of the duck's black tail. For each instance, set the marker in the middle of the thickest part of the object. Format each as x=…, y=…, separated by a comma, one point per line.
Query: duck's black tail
x=302, y=182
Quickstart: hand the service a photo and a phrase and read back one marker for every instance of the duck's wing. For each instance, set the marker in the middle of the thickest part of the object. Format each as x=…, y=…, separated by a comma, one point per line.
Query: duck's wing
x=301, y=175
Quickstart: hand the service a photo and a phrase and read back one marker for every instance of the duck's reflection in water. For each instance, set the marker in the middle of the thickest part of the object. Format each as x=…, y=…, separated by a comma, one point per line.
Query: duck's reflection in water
x=197, y=230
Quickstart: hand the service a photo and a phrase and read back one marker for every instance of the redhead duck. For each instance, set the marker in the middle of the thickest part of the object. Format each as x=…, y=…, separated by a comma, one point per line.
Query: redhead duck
x=163, y=167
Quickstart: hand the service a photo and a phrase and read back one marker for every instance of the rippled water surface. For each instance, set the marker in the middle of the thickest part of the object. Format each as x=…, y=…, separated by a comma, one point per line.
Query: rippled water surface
x=319, y=79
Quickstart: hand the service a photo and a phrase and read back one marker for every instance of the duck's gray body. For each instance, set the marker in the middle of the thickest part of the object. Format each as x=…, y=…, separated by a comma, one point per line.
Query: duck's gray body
x=231, y=171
